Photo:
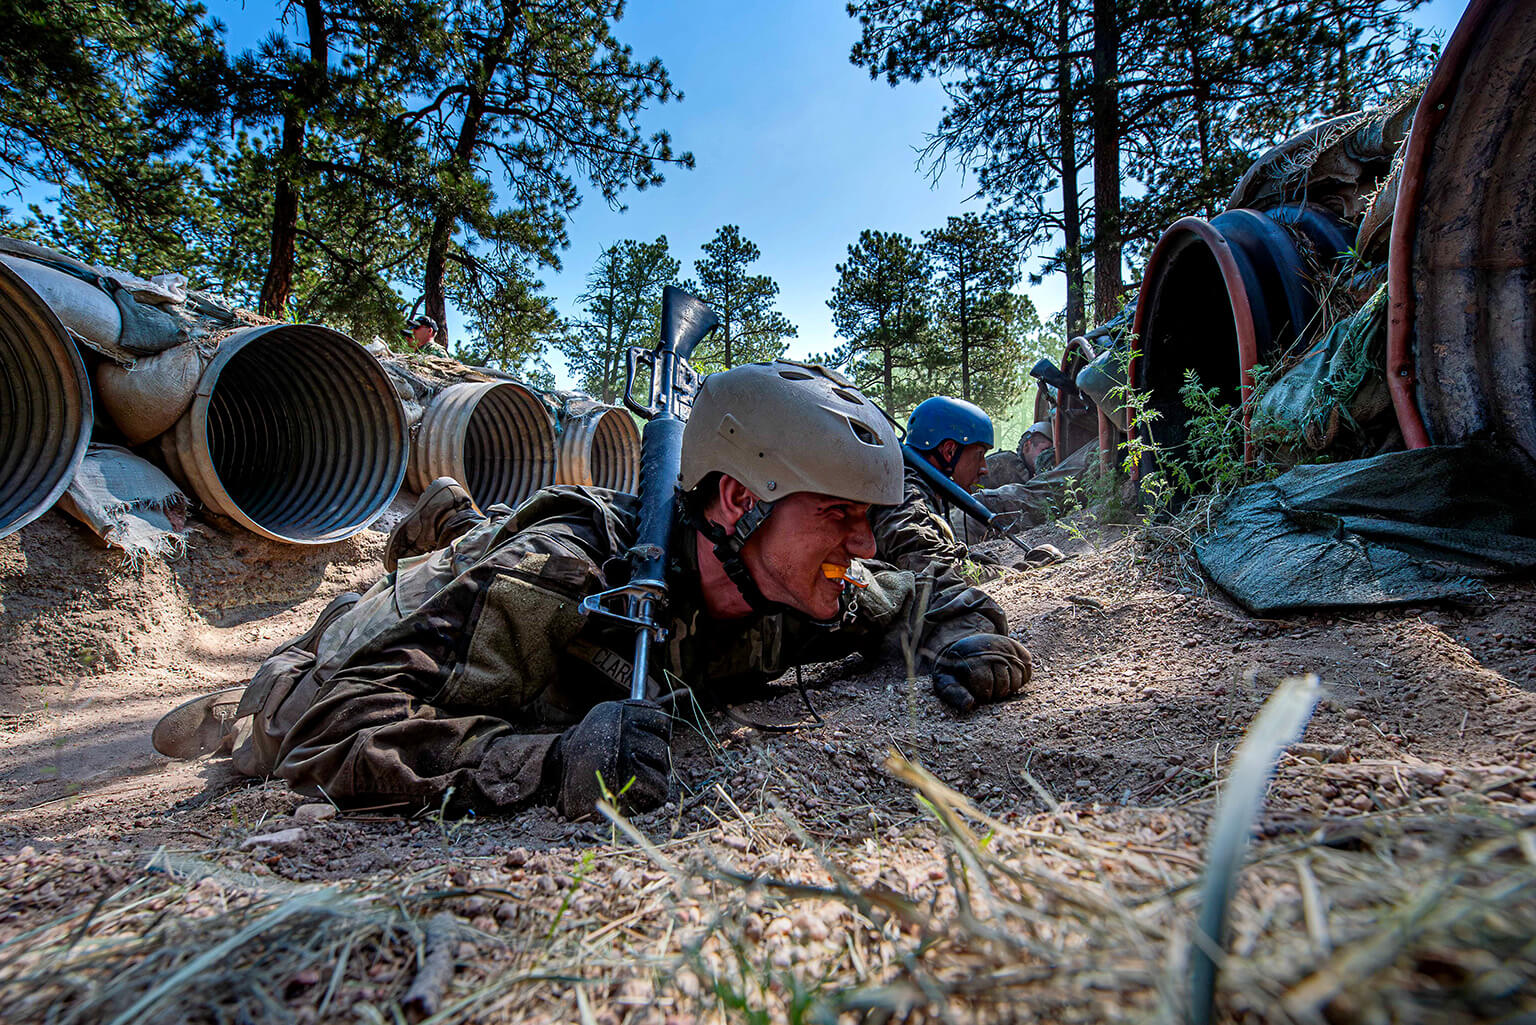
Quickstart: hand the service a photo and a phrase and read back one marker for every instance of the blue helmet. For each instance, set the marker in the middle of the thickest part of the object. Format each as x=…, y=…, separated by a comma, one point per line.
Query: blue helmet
x=942, y=419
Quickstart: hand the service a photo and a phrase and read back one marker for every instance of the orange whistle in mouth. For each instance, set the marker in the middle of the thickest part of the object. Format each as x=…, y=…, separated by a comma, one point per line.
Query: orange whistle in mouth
x=851, y=574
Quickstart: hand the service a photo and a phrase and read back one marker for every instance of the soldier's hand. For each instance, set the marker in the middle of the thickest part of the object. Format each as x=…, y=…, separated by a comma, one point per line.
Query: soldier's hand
x=979, y=669
x=625, y=741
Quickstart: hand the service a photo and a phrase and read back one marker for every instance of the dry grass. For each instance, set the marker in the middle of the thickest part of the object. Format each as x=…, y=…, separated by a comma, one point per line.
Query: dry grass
x=1079, y=914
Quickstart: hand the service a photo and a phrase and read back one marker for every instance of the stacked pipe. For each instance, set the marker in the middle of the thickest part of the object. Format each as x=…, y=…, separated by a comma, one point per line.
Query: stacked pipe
x=1221, y=296
x=1461, y=338
x=45, y=405
x=599, y=446
x=496, y=438
x=294, y=432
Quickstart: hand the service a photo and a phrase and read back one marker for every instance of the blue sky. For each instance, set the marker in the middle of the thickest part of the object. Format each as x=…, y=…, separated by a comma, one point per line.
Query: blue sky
x=793, y=143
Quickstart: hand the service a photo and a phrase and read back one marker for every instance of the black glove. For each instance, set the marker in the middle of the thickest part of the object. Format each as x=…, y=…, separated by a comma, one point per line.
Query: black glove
x=623, y=740
x=981, y=668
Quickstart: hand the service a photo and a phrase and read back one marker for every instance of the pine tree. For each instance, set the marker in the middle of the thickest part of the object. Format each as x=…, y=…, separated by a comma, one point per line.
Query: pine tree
x=976, y=269
x=751, y=329
x=531, y=94
x=621, y=307
x=880, y=307
x=1152, y=94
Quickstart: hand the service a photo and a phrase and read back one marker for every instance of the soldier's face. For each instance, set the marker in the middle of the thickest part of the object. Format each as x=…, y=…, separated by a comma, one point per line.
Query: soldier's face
x=971, y=467
x=1031, y=451
x=805, y=530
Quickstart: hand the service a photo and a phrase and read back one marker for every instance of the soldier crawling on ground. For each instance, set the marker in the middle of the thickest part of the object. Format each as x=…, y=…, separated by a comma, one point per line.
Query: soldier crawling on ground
x=954, y=436
x=468, y=676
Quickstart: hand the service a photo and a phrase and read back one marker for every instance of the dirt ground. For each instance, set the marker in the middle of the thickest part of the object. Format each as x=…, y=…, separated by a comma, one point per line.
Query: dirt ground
x=795, y=873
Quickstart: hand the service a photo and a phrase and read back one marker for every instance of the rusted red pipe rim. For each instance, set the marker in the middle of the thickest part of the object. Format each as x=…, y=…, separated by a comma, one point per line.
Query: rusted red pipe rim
x=1401, y=377
x=1237, y=291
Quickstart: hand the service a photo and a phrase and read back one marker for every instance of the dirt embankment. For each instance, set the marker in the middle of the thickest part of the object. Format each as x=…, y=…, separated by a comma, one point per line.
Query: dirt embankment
x=1141, y=692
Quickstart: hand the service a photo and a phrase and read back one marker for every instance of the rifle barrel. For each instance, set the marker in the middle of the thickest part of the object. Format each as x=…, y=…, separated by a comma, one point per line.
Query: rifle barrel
x=957, y=495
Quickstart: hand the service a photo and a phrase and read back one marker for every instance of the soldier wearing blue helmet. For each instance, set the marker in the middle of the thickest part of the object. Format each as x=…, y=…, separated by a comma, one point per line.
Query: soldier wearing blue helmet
x=915, y=535
x=953, y=435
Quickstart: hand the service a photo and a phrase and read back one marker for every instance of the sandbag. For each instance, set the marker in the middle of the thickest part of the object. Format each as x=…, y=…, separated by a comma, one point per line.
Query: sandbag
x=1402, y=527
x=1337, y=387
x=128, y=502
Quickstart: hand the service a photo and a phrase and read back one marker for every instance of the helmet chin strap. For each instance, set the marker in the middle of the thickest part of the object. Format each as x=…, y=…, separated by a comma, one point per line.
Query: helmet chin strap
x=947, y=466
x=727, y=548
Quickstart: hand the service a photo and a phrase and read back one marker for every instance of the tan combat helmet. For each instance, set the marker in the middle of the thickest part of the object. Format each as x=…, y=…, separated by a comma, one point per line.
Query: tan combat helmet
x=785, y=427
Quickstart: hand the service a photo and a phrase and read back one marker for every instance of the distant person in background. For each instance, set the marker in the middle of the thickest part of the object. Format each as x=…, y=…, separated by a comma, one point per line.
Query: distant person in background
x=1037, y=449
x=421, y=337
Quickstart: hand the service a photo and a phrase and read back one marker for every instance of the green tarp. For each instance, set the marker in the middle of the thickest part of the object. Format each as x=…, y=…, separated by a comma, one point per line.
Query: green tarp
x=1402, y=527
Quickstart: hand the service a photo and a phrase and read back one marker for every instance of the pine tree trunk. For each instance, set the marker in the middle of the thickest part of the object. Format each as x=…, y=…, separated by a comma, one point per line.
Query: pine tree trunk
x=434, y=295
x=277, y=286
x=886, y=348
x=1106, y=162
x=965, y=342
x=726, y=326
x=460, y=166
x=1072, y=216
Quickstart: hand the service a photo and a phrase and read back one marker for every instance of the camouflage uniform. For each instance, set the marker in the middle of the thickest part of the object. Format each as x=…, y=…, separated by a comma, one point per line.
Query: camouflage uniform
x=916, y=536
x=447, y=672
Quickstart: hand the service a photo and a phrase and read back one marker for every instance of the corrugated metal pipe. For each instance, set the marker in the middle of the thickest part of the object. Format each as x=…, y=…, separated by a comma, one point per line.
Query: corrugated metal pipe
x=295, y=433
x=45, y=405
x=599, y=446
x=1218, y=297
x=1076, y=419
x=1461, y=333
x=494, y=437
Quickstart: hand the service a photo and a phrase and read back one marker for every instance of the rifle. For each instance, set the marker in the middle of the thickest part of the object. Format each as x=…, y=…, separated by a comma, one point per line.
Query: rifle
x=956, y=494
x=685, y=321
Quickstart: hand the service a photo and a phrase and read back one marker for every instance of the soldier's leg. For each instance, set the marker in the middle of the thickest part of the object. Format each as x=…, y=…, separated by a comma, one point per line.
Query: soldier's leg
x=211, y=723
x=443, y=513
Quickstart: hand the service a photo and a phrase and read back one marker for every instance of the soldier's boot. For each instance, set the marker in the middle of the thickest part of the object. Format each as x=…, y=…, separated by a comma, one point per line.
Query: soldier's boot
x=443, y=513
x=208, y=723
x=199, y=726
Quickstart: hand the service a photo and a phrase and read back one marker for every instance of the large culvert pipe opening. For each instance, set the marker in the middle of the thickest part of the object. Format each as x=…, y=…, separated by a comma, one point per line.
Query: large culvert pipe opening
x=1188, y=324
x=496, y=438
x=616, y=452
x=45, y=405
x=599, y=446
x=296, y=433
x=1220, y=296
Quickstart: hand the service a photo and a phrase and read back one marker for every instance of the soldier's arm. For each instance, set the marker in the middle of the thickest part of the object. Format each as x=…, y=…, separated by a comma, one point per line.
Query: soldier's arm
x=915, y=536
x=429, y=705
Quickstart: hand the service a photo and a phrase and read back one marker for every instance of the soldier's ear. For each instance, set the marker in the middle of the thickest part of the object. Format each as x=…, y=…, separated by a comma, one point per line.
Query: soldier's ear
x=734, y=500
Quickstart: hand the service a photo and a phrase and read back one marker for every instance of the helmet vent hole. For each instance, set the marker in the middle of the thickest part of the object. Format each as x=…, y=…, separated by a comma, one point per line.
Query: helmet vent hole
x=863, y=433
x=794, y=375
x=849, y=396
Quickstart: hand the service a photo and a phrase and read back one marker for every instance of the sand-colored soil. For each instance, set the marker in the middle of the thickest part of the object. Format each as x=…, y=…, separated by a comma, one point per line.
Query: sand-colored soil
x=1142, y=689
